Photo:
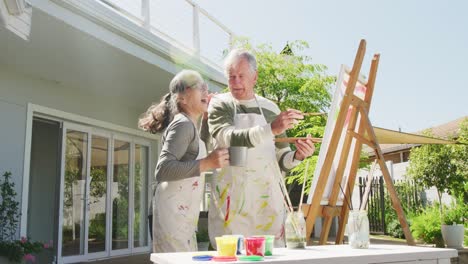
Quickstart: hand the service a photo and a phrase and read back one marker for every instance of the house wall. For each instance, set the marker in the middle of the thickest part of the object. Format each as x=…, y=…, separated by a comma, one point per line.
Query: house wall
x=17, y=90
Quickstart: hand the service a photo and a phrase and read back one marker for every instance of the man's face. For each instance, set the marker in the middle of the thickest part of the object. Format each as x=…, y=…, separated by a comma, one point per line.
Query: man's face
x=242, y=80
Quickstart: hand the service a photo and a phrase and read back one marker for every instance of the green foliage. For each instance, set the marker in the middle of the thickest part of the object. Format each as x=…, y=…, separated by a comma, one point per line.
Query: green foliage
x=120, y=218
x=436, y=166
x=411, y=201
x=14, y=250
x=456, y=213
x=97, y=227
x=9, y=208
x=202, y=236
x=19, y=250
x=459, y=186
x=393, y=228
x=98, y=183
x=427, y=226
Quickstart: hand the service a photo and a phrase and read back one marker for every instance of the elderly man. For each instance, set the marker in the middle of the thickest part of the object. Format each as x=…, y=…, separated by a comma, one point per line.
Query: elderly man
x=248, y=200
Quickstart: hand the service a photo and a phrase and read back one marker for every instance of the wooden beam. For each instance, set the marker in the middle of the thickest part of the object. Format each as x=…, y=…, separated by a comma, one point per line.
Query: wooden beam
x=389, y=184
x=362, y=139
x=331, y=211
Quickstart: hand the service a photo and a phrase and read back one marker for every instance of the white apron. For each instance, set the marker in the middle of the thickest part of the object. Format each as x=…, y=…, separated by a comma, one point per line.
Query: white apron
x=248, y=201
x=176, y=207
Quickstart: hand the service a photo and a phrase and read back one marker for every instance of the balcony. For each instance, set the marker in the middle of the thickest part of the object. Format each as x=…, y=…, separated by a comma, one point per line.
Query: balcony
x=183, y=30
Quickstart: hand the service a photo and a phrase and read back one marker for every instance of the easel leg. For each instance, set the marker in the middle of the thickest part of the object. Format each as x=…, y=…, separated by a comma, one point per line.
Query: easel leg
x=388, y=181
x=325, y=229
x=396, y=202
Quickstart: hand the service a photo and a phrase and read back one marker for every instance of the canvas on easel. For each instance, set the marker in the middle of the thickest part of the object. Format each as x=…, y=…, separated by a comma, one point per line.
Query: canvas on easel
x=348, y=127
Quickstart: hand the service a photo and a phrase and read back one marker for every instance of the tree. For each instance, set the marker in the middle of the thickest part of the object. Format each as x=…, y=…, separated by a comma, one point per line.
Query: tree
x=291, y=80
x=459, y=186
x=439, y=166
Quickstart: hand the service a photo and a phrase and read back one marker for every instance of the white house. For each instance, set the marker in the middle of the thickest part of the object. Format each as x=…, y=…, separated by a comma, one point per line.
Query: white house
x=74, y=77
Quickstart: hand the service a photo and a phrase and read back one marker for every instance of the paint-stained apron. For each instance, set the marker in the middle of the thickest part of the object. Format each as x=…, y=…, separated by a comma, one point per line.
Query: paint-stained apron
x=176, y=207
x=248, y=200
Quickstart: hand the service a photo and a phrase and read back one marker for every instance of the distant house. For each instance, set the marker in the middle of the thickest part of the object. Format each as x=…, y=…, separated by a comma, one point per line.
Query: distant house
x=74, y=78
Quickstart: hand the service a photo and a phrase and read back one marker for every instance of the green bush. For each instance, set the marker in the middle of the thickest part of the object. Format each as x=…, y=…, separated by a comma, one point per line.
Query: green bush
x=411, y=201
x=457, y=213
x=17, y=251
x=97, y=227
x=393, y=228
x=466, y=236
x=427, y=226
x=202, y=236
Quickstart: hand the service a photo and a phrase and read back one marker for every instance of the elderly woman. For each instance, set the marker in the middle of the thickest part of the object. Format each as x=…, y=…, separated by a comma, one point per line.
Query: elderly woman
x=179, y=186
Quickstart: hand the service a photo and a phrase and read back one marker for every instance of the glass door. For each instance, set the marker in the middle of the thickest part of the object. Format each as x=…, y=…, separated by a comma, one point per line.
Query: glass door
x=73, y=208
x=120, y=195
x=98, y=196
x=104, y=192
x=84, y=227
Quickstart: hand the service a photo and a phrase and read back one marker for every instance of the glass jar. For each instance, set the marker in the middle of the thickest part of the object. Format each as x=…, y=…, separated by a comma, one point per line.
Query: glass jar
x=358, y=229
x=295, y=230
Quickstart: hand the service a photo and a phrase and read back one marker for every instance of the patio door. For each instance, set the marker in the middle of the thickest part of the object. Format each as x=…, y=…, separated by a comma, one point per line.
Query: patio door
x=84, y=214
x=104, y=195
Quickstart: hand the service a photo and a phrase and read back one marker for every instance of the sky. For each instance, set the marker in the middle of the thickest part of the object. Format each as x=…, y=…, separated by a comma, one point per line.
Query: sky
x=423, y=46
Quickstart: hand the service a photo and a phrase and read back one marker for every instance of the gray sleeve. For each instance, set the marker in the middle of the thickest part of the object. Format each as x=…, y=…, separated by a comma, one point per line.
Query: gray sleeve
x=171, y=167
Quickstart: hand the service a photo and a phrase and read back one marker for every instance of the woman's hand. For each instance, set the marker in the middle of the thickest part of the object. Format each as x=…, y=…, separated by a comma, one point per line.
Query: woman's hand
x=218, y=158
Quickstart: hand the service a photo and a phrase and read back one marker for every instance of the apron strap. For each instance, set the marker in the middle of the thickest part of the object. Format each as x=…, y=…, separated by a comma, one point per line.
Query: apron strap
x=258, y=105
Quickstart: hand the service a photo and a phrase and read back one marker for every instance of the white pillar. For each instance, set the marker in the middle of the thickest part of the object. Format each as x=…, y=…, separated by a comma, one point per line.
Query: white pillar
x=145, y=13
x=196, y=29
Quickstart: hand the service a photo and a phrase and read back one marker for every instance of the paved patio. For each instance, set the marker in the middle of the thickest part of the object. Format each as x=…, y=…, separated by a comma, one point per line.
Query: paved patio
x=135, y=259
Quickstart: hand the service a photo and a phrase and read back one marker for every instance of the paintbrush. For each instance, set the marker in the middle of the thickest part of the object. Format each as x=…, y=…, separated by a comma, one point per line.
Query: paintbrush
x=313, y=114
x=293, y=139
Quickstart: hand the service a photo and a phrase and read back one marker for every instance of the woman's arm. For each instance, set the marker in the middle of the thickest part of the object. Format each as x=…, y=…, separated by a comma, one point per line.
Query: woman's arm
x=179, y=137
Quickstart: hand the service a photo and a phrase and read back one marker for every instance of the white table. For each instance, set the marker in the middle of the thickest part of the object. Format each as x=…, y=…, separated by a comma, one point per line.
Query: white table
x=333, y=254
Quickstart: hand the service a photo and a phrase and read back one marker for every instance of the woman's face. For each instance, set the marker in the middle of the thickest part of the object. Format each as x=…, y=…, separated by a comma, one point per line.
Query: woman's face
x=196, y=100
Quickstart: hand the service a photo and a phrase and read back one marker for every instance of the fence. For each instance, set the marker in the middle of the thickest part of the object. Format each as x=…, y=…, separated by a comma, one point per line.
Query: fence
x=379, y=203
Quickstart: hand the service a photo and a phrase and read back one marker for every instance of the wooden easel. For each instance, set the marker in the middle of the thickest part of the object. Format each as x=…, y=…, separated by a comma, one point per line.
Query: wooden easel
x=355, y=111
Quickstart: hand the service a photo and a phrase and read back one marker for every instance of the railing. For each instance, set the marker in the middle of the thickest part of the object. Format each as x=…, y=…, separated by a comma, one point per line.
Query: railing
x=375, y=204
x=181, y=23
x=410, y=194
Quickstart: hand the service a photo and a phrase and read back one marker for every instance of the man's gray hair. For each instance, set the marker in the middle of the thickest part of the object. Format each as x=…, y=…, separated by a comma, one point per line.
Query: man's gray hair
x=237, y=54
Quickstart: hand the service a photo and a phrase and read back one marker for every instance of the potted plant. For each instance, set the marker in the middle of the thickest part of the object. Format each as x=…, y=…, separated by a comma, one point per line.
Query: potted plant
x=11, y=250
x=453, y=221
x=203, y=240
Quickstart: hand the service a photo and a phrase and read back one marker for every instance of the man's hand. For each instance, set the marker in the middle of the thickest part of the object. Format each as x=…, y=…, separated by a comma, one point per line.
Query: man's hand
x=285, y=120
x=304, y=148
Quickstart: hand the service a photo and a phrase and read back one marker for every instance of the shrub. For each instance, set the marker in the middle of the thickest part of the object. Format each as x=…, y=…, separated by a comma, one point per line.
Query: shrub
x=202, y=236
x=14, y=250
x=457, y=213
x=393, y=228
x=427, y=226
